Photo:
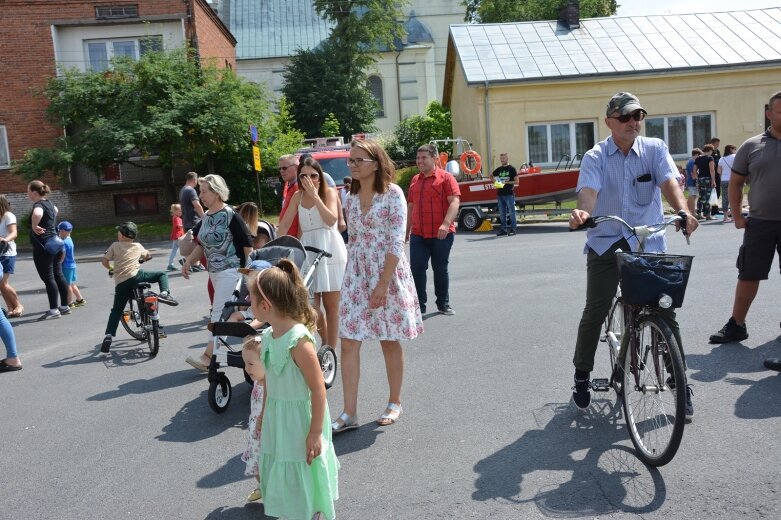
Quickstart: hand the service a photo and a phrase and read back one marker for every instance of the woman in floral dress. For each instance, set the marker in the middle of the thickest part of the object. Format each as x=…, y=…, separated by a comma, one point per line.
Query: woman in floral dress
x=378, y=293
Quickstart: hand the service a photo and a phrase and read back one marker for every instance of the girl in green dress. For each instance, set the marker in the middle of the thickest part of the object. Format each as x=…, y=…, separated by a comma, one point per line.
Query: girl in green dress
x=297, y=463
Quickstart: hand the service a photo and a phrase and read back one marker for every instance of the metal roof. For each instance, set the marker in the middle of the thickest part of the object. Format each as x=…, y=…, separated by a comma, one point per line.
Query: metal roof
x=273, y=28
x=526, y=51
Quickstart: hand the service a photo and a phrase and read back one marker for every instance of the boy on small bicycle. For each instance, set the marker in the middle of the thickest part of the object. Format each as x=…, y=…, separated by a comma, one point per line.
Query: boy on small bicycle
x=127, y=255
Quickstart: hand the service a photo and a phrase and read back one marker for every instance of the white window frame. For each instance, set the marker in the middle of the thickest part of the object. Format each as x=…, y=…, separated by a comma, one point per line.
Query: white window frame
x=4, y=146
x=109, y=46
x=690, y=144
x=381, y=101
x=552, y=161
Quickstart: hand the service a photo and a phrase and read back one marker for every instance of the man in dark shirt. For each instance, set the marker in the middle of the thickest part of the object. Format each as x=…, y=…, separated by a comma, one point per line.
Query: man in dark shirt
x=192, y=211
x=505, y=176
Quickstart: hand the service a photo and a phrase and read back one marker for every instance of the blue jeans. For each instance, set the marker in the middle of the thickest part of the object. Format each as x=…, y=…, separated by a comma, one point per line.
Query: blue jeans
x=7, y=335
x=174, y=250
x=507, y=207
x=420, y=250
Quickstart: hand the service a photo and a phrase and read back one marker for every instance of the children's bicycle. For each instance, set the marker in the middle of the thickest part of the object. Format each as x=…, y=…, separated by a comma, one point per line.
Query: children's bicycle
x=140, y=318
x=647, y=369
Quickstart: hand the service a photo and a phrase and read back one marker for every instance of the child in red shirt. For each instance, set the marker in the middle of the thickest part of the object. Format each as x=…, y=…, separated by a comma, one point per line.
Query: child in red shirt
x=177, y=230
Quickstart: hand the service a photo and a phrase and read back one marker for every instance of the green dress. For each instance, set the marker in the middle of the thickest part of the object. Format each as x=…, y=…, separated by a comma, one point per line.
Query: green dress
x=292, y=489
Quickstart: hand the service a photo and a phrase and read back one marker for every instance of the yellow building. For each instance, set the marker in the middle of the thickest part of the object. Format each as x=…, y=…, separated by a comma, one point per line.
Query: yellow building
x=538, y=90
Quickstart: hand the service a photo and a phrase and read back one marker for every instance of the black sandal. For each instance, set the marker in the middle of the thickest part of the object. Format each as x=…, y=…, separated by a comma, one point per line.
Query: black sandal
x=5, y=367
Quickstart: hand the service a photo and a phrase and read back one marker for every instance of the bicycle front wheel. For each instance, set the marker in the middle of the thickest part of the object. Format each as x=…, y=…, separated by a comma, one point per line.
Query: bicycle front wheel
x=654, y=411
x=132, y=322
x=153, y=338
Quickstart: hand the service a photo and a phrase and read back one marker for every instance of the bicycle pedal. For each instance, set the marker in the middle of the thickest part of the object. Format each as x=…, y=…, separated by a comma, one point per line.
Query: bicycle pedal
x=600, y=385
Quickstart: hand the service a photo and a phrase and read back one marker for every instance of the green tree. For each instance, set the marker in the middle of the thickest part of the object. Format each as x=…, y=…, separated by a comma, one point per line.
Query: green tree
x=323, y=81
x=164, y=105
x=330, y=125
x=416, y=130
x=500, y=11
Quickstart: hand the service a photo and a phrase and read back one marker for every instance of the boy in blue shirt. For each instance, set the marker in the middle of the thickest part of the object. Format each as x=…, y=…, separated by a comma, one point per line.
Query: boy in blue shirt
x=69, y=265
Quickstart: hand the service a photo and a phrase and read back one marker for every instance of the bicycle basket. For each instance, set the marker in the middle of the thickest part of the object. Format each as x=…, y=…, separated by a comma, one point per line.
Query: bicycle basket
x=644, y=277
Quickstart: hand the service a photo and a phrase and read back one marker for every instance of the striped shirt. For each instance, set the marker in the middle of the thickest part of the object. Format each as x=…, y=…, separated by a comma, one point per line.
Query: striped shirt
x=428, y=196
x=628, y=187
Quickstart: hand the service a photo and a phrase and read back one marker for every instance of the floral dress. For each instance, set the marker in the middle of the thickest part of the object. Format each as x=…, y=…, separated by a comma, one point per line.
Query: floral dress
x=373, y=235
x=252, y=452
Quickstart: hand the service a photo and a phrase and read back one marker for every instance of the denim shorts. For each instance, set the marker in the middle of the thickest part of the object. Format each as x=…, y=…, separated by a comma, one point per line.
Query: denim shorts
x=8, y=263
x=70, y=274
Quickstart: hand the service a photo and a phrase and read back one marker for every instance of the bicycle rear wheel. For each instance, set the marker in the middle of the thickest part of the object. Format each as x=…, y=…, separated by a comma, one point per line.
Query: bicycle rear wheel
x=153, y=338
x=654, y=412
x=131, y=320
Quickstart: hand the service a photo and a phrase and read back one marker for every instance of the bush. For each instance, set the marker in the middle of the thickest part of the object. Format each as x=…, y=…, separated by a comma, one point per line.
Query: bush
x=417, y=130
x=404, y=176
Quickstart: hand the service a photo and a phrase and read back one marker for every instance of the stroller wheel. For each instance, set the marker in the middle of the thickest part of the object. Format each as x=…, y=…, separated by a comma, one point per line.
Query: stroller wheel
x=327, y=357
x=220, y=394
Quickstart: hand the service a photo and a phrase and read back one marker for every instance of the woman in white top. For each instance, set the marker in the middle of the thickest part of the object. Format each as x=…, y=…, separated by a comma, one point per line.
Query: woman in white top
x=315, y=204
x=8, y=258
x=725, y=170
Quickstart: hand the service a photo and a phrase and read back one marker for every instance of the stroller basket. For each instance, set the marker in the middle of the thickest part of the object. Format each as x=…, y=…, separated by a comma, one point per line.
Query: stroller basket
x=644, y=277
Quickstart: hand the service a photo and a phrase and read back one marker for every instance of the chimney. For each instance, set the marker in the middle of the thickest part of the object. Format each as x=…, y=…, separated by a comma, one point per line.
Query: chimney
x=570, y=14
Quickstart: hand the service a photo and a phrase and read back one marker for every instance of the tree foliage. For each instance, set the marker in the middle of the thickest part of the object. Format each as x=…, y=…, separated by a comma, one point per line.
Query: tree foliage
x=416, y=130
x=164, y=105
x=323, y=81
x=500, y=11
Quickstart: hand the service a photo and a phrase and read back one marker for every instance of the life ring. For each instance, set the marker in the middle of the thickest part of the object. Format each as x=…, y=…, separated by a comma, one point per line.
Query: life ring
x=443, y=157
x=470, y=154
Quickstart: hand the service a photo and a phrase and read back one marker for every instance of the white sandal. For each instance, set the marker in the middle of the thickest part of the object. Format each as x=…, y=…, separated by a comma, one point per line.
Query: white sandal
x=387, y=419
x=348, y=423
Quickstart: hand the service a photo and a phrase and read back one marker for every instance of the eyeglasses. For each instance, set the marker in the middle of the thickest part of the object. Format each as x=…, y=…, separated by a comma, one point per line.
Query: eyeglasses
x=310, y=175
x=358, y=161
x=637, y=115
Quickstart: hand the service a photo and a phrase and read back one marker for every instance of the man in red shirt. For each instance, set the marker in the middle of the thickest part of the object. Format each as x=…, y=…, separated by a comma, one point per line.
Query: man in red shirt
x=288, y=169
x=432, y=207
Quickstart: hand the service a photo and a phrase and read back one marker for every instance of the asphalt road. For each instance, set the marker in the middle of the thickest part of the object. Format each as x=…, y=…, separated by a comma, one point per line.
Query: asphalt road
x=488, y=429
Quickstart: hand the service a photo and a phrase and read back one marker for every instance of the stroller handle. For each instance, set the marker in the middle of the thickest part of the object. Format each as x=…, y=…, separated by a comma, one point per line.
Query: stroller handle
x=318, y=251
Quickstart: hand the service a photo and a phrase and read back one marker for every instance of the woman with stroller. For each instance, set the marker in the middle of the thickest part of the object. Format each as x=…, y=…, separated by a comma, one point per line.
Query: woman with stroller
x=225, y=240
x=380, y=301
x=315, y=204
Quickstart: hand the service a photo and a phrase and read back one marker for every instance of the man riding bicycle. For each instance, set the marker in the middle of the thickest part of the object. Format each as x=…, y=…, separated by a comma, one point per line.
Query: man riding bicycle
x=624, y=175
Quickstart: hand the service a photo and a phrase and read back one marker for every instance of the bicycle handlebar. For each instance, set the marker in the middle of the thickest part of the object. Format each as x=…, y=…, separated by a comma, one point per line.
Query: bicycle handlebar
x=640, y=232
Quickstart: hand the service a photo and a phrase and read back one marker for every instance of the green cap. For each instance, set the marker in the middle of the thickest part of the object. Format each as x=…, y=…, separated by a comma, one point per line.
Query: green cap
x=129, y=229
x=624, y=103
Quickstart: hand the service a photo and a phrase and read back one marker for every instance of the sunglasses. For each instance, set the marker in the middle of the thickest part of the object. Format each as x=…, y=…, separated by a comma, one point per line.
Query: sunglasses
x=283, y=168
x=310, y=175
x=359, y=161
x=637, y=115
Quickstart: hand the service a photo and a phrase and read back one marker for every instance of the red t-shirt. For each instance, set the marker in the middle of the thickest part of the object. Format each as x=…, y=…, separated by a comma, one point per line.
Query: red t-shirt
x=428, y=196
x=177, y=228
x=288, y=195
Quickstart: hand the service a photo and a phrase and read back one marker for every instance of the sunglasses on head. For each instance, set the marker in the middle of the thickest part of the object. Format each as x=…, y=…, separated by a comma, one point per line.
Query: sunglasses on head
x=637, y=115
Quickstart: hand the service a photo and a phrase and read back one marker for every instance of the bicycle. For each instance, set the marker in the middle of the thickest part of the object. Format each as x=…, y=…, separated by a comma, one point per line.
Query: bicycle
x=141, y=320
x=647, y=371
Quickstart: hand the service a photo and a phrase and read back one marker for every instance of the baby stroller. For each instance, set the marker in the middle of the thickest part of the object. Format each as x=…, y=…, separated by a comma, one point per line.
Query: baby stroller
x=220, y=391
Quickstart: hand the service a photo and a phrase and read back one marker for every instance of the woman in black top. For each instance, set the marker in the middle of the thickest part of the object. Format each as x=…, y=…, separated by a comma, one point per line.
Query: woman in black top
x=704, y=171
x=43, y=226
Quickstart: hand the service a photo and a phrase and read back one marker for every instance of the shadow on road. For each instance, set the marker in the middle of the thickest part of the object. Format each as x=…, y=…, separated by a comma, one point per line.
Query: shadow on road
x=146, y=386
x=760, y=400
x=195, y=421
x=123, y=353
x=252, y=511
x=232, y=471
x=359, y=439
x=730, y=358
x=606, y=477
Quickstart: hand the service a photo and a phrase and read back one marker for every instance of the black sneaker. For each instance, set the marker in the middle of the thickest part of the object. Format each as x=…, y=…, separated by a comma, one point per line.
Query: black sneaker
x=730, y=332
x=447, y=310
x=511, y=233
x=689, y=406
x=581, y=393
x=502, y=233
x=65, y=310
x=166, y=298
x=104, y=347
x=423, y=309
x=773, y=364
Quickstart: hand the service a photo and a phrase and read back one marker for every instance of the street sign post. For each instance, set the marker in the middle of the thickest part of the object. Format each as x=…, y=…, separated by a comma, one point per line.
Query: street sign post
x=256, y=164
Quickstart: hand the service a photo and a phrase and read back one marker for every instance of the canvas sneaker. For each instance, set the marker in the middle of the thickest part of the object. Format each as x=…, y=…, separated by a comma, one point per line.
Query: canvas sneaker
x=447, y=310
x=581, y=393
x=730, y=332
x=51, y=314
x=104, y=347
x=166, y=298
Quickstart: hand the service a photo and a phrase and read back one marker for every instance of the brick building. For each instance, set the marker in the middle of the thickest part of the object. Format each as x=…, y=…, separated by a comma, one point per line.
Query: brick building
x=39, y=38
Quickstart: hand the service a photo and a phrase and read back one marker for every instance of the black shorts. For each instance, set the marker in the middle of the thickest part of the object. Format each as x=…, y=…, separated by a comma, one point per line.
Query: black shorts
x=761, y=239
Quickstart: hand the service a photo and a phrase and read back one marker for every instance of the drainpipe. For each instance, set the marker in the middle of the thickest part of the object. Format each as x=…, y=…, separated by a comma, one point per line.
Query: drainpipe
x=488, y=129
x=398, y=84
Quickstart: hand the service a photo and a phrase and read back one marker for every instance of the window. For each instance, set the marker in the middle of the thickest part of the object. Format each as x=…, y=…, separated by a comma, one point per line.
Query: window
x=5, y=156
x=111, y=174
x=374, y=84
x=100, y=52
x=547, y=143
x=134, y=204
x=116, y=11
x=681, y=132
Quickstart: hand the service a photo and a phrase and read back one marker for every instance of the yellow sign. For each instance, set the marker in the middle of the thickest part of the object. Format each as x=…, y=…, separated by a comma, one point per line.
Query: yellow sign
x=256, y=157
